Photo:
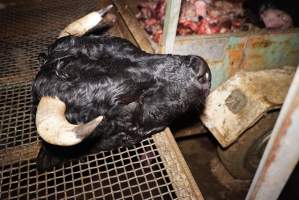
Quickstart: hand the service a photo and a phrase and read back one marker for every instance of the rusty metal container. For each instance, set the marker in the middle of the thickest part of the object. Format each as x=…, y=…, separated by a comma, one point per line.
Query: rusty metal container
x=225, y=53
x=229, y=53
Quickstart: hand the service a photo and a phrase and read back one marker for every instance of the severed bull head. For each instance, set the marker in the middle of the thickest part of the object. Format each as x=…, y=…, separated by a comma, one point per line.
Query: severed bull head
x=98, y=82
x=102, y=92
x=51, y=110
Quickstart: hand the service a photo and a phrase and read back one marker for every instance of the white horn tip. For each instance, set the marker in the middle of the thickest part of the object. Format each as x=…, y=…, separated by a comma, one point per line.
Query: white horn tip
x=99, y=119
x=53, y=127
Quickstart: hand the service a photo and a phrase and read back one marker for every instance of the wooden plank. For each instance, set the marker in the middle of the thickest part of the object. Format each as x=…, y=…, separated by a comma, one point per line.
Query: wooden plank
x=170, y=25
x=17, y=153
x=176, y=166
x=133, y=25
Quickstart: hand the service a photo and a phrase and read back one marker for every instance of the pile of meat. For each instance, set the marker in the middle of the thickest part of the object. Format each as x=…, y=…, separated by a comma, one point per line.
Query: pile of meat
x=196, y=17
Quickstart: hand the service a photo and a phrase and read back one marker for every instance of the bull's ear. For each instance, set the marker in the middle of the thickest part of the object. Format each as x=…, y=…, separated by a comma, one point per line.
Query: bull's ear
x=53, y=127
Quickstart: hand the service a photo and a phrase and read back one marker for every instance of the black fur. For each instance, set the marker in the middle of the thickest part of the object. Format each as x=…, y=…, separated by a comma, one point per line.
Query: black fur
x=137, y=93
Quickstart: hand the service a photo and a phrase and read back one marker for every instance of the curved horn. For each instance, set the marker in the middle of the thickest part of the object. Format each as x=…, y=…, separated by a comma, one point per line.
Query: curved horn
x=84, y=24
x=54, y=128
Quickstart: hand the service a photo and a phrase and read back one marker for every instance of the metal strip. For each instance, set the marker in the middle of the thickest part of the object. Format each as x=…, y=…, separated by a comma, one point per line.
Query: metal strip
x=170, y=25
x=282, y=152
x=176, y=166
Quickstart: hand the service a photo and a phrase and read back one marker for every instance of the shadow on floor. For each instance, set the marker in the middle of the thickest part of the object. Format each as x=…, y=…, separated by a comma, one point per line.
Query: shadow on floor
x=212, y=178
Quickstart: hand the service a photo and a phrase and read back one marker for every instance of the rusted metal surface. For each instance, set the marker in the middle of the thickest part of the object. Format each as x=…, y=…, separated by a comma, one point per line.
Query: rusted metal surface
x=210, y=48
x=282, y=152
x=242, y=100
x=271, y=50
x=229, y=53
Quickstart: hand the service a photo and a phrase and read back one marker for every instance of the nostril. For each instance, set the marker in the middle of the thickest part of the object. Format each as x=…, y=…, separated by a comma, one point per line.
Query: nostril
x=200, y=68
x=200, y=71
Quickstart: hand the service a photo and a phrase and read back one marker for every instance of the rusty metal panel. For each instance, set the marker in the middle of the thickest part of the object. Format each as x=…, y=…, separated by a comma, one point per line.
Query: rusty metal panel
x=242, y=100
x=212, y=49
x=229, y=53
x=235, y=54
x=271, y=50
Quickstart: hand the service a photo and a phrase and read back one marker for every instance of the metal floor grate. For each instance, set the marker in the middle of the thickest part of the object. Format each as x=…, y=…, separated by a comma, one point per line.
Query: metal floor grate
x=16, y=124
x=28, y=28
x=152, y=169
x=128, y=173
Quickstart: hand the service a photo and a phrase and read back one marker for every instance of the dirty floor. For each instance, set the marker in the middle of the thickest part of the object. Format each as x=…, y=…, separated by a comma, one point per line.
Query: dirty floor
x=212, y=178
